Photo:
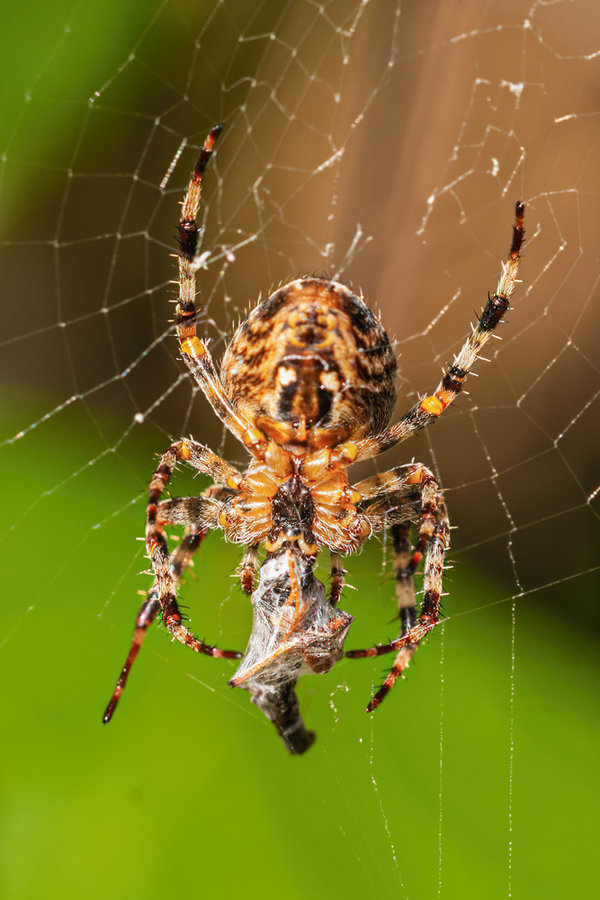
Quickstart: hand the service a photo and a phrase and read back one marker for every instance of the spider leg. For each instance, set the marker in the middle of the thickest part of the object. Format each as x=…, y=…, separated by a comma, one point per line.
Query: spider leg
x=205, y=461
x=183, y=554
x=431, y=407
x=248, y=568
x=198, y=514
x=401, y=480
x=194, y=350
x=404, y=567
x=432, y=542
x=203, y=512
x=338, y=579
x=151, y=607
x=147, y=614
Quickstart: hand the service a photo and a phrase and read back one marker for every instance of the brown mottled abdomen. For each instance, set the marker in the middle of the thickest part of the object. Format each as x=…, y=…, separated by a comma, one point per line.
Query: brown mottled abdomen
x=312, y=365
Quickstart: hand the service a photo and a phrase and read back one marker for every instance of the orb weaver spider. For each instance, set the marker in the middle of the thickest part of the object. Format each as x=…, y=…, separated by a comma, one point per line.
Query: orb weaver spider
x=308, y=386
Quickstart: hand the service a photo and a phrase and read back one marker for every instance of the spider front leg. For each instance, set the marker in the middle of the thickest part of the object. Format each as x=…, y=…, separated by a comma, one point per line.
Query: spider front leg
x=430, y=408
x=194, y=351
x=433, y=542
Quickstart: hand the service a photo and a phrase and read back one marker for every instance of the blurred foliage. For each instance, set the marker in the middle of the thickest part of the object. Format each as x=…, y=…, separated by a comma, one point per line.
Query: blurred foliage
x=189, y=791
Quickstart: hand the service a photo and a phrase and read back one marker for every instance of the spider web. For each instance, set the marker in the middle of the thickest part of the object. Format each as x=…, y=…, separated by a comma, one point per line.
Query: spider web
x=383, y=144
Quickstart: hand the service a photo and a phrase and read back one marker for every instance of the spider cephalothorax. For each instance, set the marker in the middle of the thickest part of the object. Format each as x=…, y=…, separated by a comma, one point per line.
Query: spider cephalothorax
x=307, y=384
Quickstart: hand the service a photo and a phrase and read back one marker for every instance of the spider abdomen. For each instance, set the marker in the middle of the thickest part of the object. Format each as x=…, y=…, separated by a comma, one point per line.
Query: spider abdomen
x=312, y=365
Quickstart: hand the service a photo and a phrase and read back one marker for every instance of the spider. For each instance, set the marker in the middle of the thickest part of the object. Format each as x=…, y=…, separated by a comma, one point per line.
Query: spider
x=308, y=386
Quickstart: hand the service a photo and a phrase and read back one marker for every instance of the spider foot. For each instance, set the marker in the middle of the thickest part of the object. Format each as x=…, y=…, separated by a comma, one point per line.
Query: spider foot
x=401, y=663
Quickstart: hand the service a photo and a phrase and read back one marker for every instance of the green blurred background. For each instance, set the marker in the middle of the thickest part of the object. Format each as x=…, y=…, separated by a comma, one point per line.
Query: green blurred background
x=479, y=773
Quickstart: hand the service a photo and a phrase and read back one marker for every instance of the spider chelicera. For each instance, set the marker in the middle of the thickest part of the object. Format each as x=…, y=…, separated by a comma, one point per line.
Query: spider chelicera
x=308, y=385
